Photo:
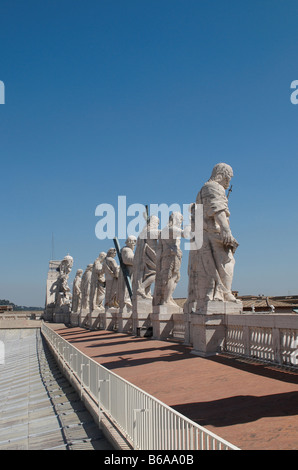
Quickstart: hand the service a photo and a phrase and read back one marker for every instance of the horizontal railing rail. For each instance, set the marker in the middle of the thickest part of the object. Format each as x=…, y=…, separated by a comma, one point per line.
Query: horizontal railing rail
x=145, y=421
x=271, y=338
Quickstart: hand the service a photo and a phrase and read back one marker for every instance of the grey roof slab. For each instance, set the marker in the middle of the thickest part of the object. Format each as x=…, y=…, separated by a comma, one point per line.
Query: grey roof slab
x=39, y=409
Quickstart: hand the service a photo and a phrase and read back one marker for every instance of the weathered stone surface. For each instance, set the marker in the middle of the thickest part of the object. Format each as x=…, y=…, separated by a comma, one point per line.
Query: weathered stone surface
x=51, y=289
x=85, y=288
x=144, y=267
x=97, y=288
x=141, y=316
x=127, y=255
x=76, y=292
x=144, y=273
x=211, y=267
x=111, y=271
x=111, y=318
x=163, y=321
x=168, y=261
x=61, y=306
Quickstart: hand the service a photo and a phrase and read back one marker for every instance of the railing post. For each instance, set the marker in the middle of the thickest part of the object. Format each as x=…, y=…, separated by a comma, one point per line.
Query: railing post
x=135, y=411
x=110, y=398
x=125, y=404
x=276, y=345
x=82, y=365
x=294, y=353
x=246, y=340
x=100, y=381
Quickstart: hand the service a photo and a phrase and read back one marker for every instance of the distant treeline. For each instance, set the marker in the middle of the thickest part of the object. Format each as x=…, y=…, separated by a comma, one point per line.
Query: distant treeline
x=18, y=307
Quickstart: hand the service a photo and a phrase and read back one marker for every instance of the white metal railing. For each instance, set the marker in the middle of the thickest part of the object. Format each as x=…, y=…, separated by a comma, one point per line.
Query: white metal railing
x=148, y=423
x=271, y=338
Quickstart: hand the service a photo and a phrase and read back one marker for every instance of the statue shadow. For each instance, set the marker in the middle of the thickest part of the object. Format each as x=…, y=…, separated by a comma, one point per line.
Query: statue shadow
x=169, y=353
x=86, y=336
x=240, y=409
x=251, y=365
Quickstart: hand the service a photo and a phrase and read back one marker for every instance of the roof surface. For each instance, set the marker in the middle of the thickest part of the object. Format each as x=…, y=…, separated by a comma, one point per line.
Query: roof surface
x=251, y=405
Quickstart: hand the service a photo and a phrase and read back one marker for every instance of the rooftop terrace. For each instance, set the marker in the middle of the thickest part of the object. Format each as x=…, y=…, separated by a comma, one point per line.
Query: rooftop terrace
x=251, y=405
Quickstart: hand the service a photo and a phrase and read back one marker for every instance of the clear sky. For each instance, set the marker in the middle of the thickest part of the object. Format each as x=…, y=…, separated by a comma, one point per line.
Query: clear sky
x=142, y=98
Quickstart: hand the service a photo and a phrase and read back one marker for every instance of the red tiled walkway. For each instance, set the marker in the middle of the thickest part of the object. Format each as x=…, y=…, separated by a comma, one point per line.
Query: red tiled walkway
x=253, y=406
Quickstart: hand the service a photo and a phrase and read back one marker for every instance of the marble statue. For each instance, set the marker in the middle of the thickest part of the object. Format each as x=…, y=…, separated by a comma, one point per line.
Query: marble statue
x=85, y=288
x=127, y=255
x=111, y=271
x=63, y=293
x=66, y=265
x=168, y=261
x=76, y=292
x=191, y=269
x=144, y=265
x=212, y=266
x=97, y=288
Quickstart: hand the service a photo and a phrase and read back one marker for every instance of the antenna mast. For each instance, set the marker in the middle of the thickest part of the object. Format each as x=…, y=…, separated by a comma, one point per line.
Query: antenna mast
x=53, y=246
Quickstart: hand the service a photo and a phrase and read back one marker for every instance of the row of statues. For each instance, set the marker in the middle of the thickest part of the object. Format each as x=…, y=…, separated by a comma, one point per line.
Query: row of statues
x=154, y=259
x=150, y=259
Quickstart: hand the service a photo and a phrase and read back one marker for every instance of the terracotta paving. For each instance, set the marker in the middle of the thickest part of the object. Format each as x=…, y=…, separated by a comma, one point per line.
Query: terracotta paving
x=251, y=405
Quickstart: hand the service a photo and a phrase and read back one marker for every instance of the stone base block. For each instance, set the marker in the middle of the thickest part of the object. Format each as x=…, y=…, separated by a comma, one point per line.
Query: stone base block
x=62, y=315
x=74, y=319
x=84, y=319
x=124, y=317
x=217, y=307
x=162, y=320
x=207, y=326
x=111, y=318
x=97, y=319
x=48, y=314
x=208, y=334
x=188, y=337
x=141, y=314
x=59, y=317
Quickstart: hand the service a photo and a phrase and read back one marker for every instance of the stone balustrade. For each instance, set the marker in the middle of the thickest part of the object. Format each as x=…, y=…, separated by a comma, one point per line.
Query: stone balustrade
x=269, y=337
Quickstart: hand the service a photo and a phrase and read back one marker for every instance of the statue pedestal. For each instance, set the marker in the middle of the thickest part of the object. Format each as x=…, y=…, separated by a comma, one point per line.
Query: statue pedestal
x=163, y=321
x=141, y=314
x=188, y=340
x=84, y=318
x=62, y=314
x=74, y=319
x=208, y=325
x=111, y=318
x=48, y=314
x=96, y=319
x=125, y=319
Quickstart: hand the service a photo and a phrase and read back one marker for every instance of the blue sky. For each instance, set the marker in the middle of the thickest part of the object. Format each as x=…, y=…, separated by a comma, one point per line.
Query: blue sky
x=142, y=98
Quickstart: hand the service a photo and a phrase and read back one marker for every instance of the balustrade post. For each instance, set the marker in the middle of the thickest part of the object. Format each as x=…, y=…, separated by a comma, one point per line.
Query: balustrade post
x=246, y=340
x=276, y=345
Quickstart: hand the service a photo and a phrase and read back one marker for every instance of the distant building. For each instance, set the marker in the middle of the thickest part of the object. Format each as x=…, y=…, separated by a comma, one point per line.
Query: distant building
x=6, y=308
x=280, y=304
x=53, y=275
x=261, y=303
